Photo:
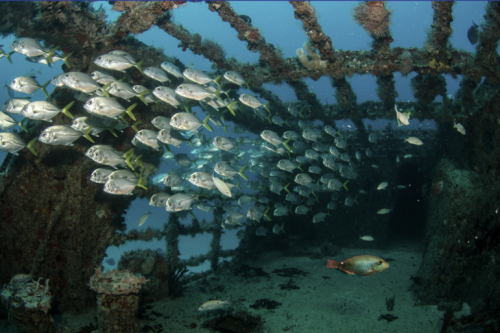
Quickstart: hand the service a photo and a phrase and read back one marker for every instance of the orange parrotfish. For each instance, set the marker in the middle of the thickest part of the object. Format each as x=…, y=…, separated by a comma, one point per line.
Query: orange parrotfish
x=362, y=265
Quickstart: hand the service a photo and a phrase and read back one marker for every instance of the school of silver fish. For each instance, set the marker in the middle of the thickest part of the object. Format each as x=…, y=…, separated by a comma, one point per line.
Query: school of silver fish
x=300, y=163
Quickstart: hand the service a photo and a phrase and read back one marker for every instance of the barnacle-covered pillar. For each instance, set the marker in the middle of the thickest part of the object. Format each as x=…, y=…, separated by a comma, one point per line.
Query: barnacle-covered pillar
x=215, y=243
x=117, y=300
x=28, y=304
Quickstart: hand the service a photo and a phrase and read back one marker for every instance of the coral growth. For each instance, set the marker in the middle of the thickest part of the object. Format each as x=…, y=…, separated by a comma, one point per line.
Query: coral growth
x=315, y=64
x=373, y=17
x=28, y=304
x=117, y=300
x=115, y=282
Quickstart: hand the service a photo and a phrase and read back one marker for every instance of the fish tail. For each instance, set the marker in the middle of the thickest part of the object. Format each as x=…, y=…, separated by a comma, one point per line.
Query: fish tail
x=345, y=185
x=216, y=94
x=65, y=110
x=22, y=125
x=230, y=107
x=43, y=88
x=134, y=125
x=206, y=125
x=87, y=132
x=112, y=132
x=238, y=185
x=8, y=57
x=300, y=167
x=141, y=96
x=30, y=146
x=269, y=118
x=128, y=157
x=332, y=263
x=187, y=107
x=65, y=59
x=129, y=111
x=138, y=66
x=286, y=145
x=340, y=134
x=49, y=55
x=266, y=215
x=286, y=188
x=265, y=106
x=241, y=173
x=216, y=80
x=138, y=161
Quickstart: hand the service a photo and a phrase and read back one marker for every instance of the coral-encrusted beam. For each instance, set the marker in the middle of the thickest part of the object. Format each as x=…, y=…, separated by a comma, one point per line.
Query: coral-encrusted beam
x=486, y=55
x=441, y=27
x=246, y=32
x=306, y=13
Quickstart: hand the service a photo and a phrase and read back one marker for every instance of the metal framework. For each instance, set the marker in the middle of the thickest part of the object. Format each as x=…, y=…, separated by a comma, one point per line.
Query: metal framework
x=65, y=242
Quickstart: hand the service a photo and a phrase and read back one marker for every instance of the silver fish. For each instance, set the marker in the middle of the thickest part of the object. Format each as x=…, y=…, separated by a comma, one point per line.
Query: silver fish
x=100, y=175
x=7, y=121
x=11, y=143
x=156, y=74
x=31, y=48
x=235, y=218
x=171, y=137
x=192, y=91
x=172, y=69
x=119, y=186
x=303, y=179
x=202, y=179
x=161, y=122
x=252, y=102
x=179, y=202
x=226, y=170
x=43, y=110
x=301, y=210
x=287, y=165
x=28, y=85
x=159, y=199
x=117, y=62
x=80, y=81
x=291, y=135
x=148, y=137
x=15, y=105
x=102, y=77
x=172, y=180
x=198, y=76
x=168, y=95
x=319, y=217
x=124, y=90
x=271, y=137
x=144, y=93
x=311, y=134
x=143, y=219
x=224, y=143
x=107, y=107
x=414, y=141
x=59, y=135
x=235, y=78
x=188, y=122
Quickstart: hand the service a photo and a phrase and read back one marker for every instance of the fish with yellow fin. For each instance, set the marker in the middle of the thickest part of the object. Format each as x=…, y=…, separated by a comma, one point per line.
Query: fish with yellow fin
x=362, y=265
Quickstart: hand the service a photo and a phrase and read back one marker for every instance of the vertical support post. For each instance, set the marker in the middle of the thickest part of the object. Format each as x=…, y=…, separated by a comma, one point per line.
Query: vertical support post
x=215, y=244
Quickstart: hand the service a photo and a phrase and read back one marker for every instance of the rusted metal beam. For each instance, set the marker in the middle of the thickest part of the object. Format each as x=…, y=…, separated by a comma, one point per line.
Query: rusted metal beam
x=306, y=13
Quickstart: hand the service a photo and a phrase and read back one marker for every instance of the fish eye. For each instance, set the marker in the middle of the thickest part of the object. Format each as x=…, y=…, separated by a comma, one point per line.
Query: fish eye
x=380, y=262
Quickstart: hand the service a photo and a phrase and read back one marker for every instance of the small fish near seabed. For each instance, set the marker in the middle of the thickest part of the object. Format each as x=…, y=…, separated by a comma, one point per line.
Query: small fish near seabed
x=366, y=238
x=414, y=141
x=364, y=265
x=215, y=305
x=460, y=128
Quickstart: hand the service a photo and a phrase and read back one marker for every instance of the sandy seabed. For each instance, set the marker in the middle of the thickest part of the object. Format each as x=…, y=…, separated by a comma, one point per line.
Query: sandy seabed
x=328, y=300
